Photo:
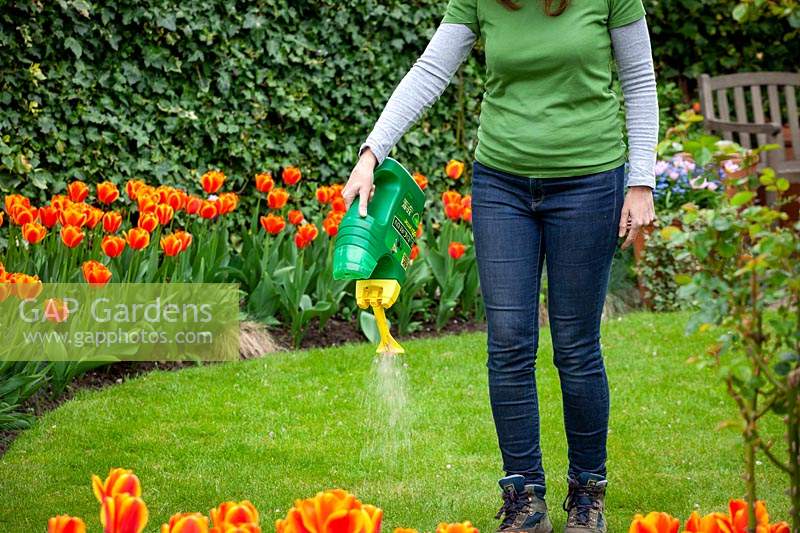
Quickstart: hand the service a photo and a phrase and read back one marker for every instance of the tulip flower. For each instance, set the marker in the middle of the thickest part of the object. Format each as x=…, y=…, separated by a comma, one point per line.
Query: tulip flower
x=331, y=223
x=291, y=175
x=212, y=181
x=112, y=245
x=65, y=524
x=96, y=274
x=421, y=180
x=164, y=213
x=21, y=215
x=132, y=188
x=137, y=238
x=12, y=200
x=1, y=218
x=6, y=288
x=147, y=203
x=123, y=513
x=48, y=215
x=73, y=215
x=272, y=224
x=175, y=198
x=33, y=232
x=453, y=211
x=461, y=527
x=186, y=523
x=454, y=169
x=72, y=236
x=405, y=530
x=451, y=197
x=171, y=245
x=107, y=193
x=233, y=514
x=193, y=205
x=324, y=194
x=208, y=210
x=93, y=217
x=26, y=287
x=419, y=230
x=338, y=205
x=147, y=221
x=332, y=511
x=227, y=202
x=185, y=237
x=466, y=214
x=295, y=217
x=78, y=191
x=305, y=235
x=264, y=182
x=118, y=481
x=456, y=250
x=414, y=252
x=277, y=198
x=654, y=523
x=112, y=221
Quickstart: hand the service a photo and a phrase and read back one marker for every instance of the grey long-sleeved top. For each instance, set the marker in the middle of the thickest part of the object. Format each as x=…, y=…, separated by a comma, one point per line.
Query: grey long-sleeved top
x=451, y=45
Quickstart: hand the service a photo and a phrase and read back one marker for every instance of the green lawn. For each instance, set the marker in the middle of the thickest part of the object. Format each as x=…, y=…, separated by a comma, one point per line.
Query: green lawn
x=289, y=425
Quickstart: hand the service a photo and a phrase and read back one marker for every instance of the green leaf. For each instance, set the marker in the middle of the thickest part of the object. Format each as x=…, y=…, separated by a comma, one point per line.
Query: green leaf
x=74, y=45
x=742, y=197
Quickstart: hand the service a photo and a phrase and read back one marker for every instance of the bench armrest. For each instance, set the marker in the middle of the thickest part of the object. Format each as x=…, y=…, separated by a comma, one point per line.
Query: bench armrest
x=770, y=128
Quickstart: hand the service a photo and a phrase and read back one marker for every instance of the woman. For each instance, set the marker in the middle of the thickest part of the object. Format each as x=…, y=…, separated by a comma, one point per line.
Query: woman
x=548, y=188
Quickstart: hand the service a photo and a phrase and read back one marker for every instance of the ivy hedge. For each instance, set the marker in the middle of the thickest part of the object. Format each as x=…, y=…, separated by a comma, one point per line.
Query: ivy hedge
x=163, y=90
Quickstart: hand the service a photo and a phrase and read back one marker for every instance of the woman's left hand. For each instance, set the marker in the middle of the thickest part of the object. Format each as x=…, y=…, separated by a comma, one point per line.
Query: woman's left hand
x=637, y=212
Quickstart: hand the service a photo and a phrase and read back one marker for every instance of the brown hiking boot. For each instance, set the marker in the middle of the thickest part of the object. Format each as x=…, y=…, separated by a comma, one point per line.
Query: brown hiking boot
x=585, y=504
x=524, y=509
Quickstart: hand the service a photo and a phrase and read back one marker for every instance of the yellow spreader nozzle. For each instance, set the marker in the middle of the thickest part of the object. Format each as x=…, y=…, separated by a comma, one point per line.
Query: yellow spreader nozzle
x=380, y=294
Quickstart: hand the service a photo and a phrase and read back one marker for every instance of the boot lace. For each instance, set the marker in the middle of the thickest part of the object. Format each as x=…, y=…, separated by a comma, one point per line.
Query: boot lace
x=513, y=504
x=582, y=500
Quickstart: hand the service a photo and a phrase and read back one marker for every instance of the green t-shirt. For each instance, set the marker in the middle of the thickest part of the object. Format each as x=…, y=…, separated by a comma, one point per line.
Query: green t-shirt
x=548, y=109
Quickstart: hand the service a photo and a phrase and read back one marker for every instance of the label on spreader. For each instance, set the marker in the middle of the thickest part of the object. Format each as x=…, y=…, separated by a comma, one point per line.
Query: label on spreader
x=405, y=224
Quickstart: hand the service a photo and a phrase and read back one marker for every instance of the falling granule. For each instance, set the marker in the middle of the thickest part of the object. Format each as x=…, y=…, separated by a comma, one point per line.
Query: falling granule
x=391, y=420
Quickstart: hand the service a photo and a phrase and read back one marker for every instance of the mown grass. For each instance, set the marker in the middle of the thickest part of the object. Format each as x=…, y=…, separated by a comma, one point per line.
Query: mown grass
x=289, y=425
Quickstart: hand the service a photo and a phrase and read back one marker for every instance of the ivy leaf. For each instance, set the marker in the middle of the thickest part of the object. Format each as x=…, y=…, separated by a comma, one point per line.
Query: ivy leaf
x=74, y=45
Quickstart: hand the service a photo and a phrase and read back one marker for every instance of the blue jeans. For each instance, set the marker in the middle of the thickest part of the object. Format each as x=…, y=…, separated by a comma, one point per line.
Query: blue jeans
x=571, y=225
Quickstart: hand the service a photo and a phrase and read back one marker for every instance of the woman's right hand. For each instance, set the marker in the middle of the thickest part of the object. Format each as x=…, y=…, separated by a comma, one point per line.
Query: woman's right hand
x=360, y=182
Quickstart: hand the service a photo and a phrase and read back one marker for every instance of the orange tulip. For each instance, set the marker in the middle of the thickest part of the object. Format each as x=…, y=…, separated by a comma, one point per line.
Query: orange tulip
x=451, y=197
x=6, y=287
x=185, y=237
x=72, y=236
x=305, y=235
x=331, y=223
x=454, y=169
x=212, y=181
x=193, y=205
x=147, y=203
x=175, y=198
x=13, y=200
x=137, y=238
x=60, y=202
x=711, y=523
x=277, y=198
x=186, y=523
x=164, y=213
x=78, y=191
x=65, y=524
x=419, y=230
x=112, y=245
x=324, y=194
x=74, y=215
x=414, y=252
x=123, y=513
x=132, y=188
x=93, y=217
x=332, y=511
x=148, y=221
x=26, y=287
x=456, y=250
x=466, y=214
x=33, y=232
x=96, y=273
x=208, y=210
x=291, y=175
x=462, y=527
x=264, y=182
x=107, y=193
x=654, y=523
x=112, y=222
x=48, y=215
x=272, y=224
x=338, y=205
x=171, y=245
x=405, y=530
x=233, y=514
x=295, y=217
x=421, y=180
x=453, y=211
x=1, y=218
x=227, y=202
x=22, y=215
x=118, y=481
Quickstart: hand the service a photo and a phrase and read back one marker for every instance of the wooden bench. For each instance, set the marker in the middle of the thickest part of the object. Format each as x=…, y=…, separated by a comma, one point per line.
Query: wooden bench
x=759, y=120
